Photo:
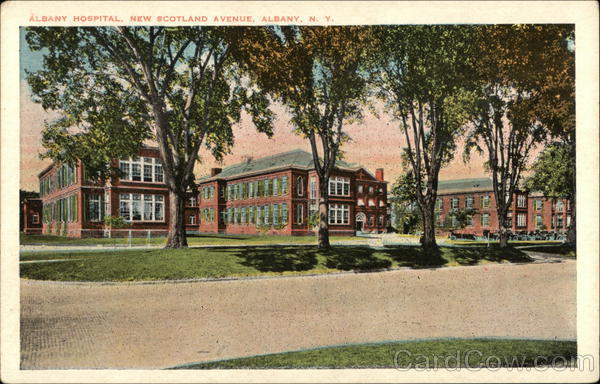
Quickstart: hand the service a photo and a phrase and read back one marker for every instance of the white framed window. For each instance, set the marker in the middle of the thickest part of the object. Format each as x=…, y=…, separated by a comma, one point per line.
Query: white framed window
x=538, y=205
x=360, y=188
x=559, y=221
x=146, y=169
x=141, y=207
x=371, y=203
x=454, y=203
x=485, y=201
x=539, y=221
x=275, y=214
x=313, y=187
x=559, y=205
x=439, y=204
x=521, y=201
x=485, y=219
x=251, y=190
x=299, y=213
x=192, y=201
x=284, y=185
x=339, y=186
x=469, y=201
x=339, y=214
x=94, y=207
x=371, y=190
x=284, y=213
x=299, y=186
x=469, y=220
x=380, y=221
x=275, y=186
x=568, y=220
x=521, y=220
x=192, y=219
x=360, y=202
x=35, y=218
x=381, y=203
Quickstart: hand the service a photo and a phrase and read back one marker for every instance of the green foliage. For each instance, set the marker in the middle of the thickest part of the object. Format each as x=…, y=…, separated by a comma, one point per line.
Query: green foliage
x=115, y=221
x=553, y=173
x=458, y=218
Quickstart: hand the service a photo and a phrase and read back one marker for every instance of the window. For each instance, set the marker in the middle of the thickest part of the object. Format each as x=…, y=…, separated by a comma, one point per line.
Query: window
x=538, y=205
x=521, y=220
x=559, y=221
x=275, y=187
x=360, y=188
x=338, y=214
x=485, y=219
x=267, y=188
x=299, y=213
x=454, y=221
x=94, y=206
x=485, y=201
x=192, y=219
x=438, y=219
x=454, y=203
x=371, y=220
x=380, y=221
x=192, y=201
x=469, y=202
x=266, y=214
x=275, y=209
x=439, y=204
x=147, y=169
x=360, y=202
x=313, y=187
x=299, y=186
x=243, y=215
x=251, y=190
x=568, y=220
x=284, y=213
x=539, y=221
x=559, y=205
x=371, y=203
x=370, y=190
x=521, y=201
x=35, y=219
x=339, y=186
x=469, y=220
x=141, y=207
x=284, y=185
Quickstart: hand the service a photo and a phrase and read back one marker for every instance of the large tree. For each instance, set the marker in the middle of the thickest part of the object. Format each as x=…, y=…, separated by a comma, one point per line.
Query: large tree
x=513, y=67
x=318, y=74
x=421, y=76
x=118, y=86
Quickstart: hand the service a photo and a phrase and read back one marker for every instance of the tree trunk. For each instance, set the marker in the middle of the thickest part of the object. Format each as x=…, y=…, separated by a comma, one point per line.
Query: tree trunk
x=502, y=230
x=572, y=230
x=323, y=214
x=176, y=237
x=428, y=239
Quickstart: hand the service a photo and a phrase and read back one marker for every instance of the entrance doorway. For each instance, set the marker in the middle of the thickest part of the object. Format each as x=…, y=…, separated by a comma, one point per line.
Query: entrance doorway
x=361, y=218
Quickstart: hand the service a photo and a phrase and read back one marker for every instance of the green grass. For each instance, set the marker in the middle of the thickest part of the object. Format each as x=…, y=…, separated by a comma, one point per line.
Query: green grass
x=193, y=240
x=164, y=264
x=453, y=353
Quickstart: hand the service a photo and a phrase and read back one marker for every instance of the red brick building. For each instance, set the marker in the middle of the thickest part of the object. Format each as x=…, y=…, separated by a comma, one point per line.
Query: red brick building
x=278, y=194
x=529, y=212
x=73, y=205
x=31, y=216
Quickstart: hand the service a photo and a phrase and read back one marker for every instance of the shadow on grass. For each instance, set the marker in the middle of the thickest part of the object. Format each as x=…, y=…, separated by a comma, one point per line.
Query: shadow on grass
x=416, y=256
x=355, y=258
x=278, y=259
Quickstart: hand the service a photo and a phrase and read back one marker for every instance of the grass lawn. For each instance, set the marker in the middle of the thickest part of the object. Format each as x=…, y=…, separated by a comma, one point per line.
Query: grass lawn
x=562, y=249
x=163, y=264
x=193, y=240
x=453, y=353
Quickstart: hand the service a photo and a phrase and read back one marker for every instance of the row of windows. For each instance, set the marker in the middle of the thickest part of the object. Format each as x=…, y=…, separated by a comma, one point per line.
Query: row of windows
x=484, y=202
x=338, y=186
x=141, y=207
x=277, y=186
x=207, y=193
x=339, y=214
x=61, y=210
x=208, y=215
x=361, y=203
x=146, y=169
x=64, y=176
x=360, y=189
x=274, y=214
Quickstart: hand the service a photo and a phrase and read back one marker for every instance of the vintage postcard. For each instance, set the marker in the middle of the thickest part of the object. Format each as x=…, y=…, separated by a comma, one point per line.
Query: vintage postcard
x=299, y=191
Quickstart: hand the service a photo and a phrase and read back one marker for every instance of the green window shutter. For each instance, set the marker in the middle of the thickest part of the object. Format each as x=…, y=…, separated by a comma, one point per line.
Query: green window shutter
x=279, y=188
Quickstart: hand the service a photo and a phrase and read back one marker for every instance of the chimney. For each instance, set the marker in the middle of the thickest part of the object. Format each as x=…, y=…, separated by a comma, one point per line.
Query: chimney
x=215, y=171
x=379, y=174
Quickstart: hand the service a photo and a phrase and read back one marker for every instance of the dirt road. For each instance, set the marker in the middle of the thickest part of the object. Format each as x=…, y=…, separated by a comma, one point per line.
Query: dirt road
x=91, y=325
